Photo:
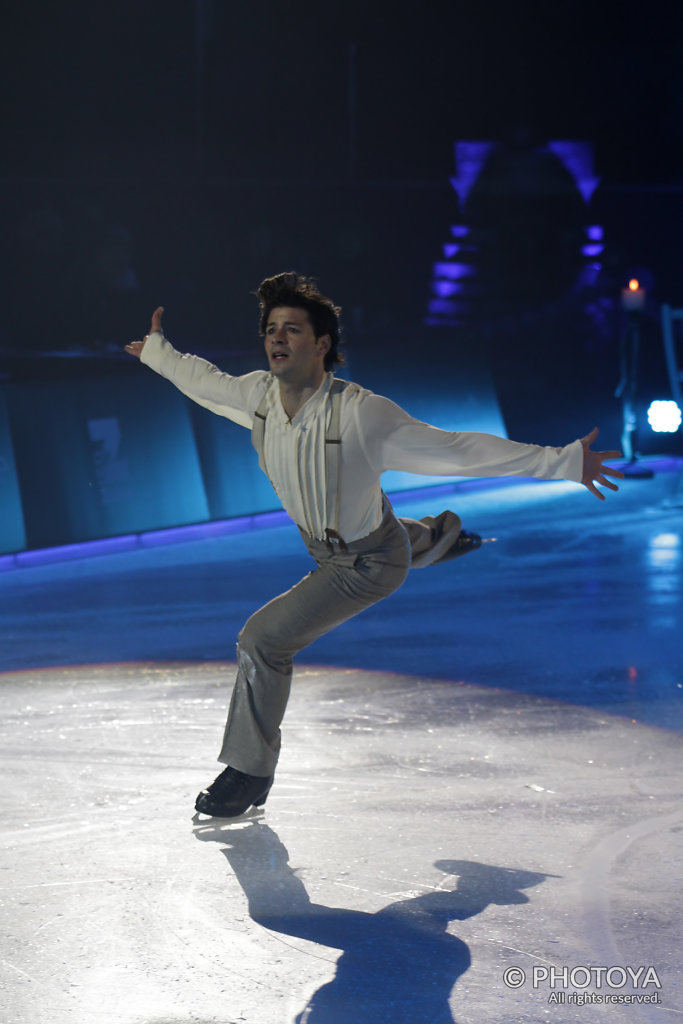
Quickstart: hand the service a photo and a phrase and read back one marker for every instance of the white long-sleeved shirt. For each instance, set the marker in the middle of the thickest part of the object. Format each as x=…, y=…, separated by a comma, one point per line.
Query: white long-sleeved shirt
x=376, y=435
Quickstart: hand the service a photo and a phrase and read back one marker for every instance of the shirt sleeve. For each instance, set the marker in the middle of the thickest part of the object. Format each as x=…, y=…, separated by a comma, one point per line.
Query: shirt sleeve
x=236, y=398
x=392, y=439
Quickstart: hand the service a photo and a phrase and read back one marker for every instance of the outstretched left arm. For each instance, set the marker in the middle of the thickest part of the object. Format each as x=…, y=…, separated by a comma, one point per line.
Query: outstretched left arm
x=594, y=468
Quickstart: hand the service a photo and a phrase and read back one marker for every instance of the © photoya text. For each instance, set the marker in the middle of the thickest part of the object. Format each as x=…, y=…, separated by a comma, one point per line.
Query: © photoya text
x=569, y=985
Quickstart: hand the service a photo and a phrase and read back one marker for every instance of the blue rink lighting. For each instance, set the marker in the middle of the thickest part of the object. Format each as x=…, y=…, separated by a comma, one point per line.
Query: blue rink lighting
x=664, y=417
x=258, y=521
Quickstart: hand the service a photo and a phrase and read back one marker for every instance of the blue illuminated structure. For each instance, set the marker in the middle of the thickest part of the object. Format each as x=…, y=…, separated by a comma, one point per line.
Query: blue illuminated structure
x=577, y=157
x=454, y=285
x=12, y=529
x=136, y=541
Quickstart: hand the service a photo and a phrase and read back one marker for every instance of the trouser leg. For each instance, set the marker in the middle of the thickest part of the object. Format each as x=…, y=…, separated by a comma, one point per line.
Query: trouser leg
x=340, y=587
x=432, y=538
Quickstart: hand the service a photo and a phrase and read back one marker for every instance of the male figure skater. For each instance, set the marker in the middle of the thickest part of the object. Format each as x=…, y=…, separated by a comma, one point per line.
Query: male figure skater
x=324, y=444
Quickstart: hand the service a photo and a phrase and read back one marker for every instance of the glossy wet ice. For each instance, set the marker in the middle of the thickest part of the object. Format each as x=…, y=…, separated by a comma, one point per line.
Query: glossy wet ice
x=480, y=775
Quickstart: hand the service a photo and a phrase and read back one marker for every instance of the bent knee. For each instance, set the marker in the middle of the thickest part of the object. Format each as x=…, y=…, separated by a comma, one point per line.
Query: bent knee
x=262, y=642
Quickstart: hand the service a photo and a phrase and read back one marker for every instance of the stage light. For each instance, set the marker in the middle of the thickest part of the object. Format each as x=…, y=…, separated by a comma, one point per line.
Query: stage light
x=664, y=417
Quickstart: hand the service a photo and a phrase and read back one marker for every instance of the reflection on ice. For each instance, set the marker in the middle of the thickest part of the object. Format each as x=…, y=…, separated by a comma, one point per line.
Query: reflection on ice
x=663, y=560
x=665, y=551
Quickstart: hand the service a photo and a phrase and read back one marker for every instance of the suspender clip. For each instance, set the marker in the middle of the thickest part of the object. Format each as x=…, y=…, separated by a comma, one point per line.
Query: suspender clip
x=335, y=542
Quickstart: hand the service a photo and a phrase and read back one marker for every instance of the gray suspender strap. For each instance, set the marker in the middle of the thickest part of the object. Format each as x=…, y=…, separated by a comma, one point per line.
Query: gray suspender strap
x=333, y=465
x=258, y=430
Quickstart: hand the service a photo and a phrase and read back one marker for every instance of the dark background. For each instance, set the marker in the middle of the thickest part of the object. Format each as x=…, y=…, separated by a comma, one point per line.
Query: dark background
x=175, y=153
x=111, y=90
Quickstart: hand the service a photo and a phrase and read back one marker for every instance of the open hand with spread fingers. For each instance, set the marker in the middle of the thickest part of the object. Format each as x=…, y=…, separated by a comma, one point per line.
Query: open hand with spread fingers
x=594, y=469
x=134, y=348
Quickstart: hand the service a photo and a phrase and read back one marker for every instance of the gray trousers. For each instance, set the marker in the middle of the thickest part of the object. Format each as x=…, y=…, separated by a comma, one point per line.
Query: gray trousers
x=342, y=584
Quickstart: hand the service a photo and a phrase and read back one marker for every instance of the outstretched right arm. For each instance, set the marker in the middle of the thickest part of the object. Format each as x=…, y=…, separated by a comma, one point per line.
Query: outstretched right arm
x=135, y=347
x=236, y=398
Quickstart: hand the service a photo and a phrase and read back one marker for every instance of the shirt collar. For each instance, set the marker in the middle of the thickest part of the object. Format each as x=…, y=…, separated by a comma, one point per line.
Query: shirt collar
x=309, y=409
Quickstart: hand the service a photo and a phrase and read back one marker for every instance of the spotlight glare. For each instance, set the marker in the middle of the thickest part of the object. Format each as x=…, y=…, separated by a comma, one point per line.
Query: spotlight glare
x=664, y=417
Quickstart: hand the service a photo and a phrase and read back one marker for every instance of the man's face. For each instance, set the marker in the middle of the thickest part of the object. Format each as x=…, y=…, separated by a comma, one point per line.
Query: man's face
x=294, y=353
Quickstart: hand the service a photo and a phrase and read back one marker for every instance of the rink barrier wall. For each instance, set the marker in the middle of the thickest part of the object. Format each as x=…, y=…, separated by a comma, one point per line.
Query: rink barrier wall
x=90, y=456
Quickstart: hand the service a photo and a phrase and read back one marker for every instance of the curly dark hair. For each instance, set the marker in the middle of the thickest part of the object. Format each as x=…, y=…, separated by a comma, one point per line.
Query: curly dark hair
x=292, y=289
